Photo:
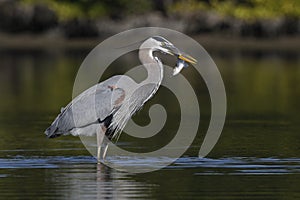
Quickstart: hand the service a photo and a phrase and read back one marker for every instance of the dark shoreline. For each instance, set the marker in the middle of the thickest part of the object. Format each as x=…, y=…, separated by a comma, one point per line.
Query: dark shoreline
x=212, y=42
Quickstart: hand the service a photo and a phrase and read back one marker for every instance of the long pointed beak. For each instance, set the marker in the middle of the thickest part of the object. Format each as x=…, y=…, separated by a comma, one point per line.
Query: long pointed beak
x=187, y=58
x=181, y=55
x=183, y=58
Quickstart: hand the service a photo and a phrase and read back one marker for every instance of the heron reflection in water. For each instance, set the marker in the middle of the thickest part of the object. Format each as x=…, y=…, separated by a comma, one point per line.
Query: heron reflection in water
x=105, y=108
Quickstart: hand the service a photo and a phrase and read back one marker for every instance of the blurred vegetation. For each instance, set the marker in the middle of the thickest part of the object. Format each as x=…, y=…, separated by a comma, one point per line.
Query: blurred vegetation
x=68, y=9
x=241, y=9
x=100, y=18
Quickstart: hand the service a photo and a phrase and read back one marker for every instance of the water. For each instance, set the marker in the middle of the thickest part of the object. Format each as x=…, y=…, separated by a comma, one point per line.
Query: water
x=257, y=156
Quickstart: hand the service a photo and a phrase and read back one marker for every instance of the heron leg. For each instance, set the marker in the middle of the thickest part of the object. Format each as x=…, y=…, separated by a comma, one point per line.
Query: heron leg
x=102, y=143
x=100, y=137
x=104, y=148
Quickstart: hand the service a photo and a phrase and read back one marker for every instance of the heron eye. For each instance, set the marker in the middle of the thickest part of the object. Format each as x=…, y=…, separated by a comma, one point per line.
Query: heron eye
x=163, y=44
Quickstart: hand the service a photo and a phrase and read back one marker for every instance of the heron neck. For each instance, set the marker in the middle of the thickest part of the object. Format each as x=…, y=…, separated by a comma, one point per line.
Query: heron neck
x=153, y=66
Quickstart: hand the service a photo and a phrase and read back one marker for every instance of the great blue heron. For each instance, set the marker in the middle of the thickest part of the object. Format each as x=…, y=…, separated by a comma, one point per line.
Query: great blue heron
x=105, y=108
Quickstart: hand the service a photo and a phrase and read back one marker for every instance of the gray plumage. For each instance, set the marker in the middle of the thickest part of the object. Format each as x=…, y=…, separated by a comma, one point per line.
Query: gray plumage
x=106, y=107
x=87, y=109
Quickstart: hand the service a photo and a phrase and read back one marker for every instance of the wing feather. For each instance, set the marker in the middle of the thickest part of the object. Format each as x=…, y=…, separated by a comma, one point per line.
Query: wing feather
x=90, y=107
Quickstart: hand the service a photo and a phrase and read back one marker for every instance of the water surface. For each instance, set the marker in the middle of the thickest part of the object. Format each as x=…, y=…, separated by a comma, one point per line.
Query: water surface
x=257, y=156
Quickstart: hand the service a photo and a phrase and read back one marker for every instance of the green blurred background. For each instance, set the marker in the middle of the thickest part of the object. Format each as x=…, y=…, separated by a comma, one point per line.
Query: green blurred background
x=92, y=18
x=255, y=45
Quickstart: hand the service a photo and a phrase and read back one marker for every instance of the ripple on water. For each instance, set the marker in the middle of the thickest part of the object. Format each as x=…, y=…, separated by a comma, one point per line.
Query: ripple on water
x=230, y=165
x=240, y=165
x=203, y=166
x=42, y=161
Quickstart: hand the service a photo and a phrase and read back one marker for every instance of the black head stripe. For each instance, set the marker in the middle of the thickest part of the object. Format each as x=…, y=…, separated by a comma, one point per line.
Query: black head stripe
x=160, y=39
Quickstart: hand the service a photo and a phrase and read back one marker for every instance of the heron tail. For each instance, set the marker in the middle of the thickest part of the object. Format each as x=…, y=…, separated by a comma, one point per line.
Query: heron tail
x=52, y=131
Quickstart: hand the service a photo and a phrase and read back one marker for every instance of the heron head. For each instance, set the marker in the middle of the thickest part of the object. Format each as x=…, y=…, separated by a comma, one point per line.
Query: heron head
x=183, y=59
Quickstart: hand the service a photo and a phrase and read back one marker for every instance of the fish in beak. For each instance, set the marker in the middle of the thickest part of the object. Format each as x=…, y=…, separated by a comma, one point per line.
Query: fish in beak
x=183, y=58
x=182, y=62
